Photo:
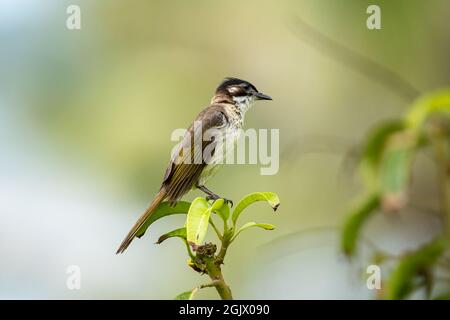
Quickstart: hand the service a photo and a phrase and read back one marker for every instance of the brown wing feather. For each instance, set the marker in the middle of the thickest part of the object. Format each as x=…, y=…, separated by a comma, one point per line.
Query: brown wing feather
x=185, y=168
x=181, y=175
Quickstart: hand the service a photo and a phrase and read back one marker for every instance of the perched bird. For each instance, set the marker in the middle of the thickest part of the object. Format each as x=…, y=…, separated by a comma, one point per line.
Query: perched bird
x=189, y=167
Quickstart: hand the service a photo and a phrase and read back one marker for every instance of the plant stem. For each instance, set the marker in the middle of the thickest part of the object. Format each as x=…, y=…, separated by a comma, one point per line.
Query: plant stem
x=223, y=249
x=188, y=247
x=215, y=229
x=215, y=273
x=214, y=270
x=213, y=264
x=208, y=285
x=206, y=261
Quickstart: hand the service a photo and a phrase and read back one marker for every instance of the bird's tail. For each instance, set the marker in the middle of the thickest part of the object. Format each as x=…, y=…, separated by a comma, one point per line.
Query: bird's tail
x=158, y=199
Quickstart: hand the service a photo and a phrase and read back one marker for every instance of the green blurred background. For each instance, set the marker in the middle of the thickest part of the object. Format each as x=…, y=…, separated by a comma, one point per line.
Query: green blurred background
x=86, y=118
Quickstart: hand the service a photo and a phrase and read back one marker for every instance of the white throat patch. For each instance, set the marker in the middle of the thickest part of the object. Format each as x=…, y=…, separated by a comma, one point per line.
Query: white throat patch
x=244, y=103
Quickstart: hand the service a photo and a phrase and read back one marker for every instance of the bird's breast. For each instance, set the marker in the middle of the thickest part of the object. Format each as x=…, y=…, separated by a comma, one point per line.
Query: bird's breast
x=223, y=150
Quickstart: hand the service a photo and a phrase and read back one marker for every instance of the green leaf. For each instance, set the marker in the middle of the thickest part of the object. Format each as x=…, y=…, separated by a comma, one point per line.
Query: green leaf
x=223, y=211
x=217, y=205
x=402, y=279
x=198, y=220
x=425, y=106
x=265, y=226
x=178, y=233
x=188, y=295
x=355, y=221
x=269, y=197
x=395, y=171
x=374, y=149
x=163, y=210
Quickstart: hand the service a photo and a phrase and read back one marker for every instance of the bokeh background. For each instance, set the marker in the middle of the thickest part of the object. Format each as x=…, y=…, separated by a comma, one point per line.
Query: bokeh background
x=86, y=118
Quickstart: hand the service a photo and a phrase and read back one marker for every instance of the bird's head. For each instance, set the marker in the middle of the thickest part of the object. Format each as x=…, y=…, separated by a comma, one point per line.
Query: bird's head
x=241, y=92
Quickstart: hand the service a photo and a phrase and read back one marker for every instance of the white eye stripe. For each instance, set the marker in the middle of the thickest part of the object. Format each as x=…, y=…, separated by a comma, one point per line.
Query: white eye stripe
x=233, y=89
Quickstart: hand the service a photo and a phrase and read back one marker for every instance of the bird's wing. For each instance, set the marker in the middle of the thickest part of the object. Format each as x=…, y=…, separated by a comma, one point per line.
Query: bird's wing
x=188, y=162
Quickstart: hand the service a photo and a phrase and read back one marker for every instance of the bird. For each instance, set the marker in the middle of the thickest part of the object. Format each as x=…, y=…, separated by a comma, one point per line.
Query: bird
x=189, y=167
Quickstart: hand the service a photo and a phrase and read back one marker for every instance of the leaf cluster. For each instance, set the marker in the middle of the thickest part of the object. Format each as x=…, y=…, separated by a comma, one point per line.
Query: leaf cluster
x=386, y=166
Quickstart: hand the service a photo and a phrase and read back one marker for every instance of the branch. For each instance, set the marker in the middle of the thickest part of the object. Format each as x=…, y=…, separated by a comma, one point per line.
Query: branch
x=354, y=60
x=206, y=261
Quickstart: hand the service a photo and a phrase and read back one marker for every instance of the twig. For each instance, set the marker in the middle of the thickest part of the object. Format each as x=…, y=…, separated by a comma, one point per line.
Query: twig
x=354, y=60
x=206, y=261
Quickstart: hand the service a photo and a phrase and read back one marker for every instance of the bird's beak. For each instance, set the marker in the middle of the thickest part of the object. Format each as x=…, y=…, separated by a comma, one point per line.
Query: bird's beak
x=262, y=96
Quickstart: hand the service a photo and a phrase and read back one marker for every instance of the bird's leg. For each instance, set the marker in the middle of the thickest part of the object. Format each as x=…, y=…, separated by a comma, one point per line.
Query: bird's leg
x=213, y=196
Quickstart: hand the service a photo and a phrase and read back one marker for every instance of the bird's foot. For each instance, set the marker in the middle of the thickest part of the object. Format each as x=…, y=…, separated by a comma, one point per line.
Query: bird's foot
x=213, y=196
x=216, y=197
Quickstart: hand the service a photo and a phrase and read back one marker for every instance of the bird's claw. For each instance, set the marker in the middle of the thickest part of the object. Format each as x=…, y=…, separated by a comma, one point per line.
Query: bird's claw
x=228, y=201
x=214, y=198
